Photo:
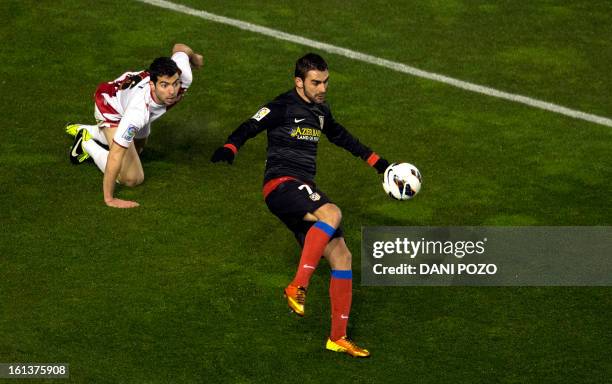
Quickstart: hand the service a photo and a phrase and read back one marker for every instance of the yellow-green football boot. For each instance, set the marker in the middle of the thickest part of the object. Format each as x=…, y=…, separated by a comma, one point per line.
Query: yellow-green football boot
x=72, y=129
x=77, y=153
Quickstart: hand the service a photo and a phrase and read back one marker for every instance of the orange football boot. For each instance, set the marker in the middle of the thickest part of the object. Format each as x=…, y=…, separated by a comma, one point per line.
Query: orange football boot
x=296, y=297
x=343, y=344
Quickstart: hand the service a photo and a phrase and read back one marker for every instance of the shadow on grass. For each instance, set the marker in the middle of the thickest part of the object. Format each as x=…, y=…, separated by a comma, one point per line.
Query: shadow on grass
x=178, y=144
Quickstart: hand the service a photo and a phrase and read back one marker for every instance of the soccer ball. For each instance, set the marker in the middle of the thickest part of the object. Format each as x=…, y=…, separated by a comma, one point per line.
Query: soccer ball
x=402, y=181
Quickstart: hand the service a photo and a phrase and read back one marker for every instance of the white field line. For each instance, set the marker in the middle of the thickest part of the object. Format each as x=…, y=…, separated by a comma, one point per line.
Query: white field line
x=399, y=67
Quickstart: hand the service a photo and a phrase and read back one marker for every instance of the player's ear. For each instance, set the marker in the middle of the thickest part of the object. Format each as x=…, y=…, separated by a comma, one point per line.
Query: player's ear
x=299, y=83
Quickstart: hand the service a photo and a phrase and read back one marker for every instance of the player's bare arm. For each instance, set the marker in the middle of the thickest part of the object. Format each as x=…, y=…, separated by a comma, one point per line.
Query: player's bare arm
x=113, y=166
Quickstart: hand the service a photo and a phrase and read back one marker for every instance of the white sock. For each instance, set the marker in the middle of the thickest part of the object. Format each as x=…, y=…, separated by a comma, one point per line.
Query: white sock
x=95, y=132
x=97, y=153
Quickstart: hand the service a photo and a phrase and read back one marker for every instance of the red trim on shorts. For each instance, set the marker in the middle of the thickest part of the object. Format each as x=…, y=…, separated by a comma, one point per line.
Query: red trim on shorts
x=271, y=185
x=119, y=144
x=232, y=147
x=372, y=159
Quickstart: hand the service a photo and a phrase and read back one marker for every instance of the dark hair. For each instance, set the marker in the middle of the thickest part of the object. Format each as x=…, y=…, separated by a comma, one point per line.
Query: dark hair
x=309, y=62
x=163, y=66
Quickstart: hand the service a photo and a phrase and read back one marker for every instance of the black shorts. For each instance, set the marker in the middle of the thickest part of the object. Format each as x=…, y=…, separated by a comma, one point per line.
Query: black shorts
x=290, y=202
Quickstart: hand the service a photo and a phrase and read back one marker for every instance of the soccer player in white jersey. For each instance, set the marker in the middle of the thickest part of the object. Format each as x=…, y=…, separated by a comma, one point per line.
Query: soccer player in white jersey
x=124, y=111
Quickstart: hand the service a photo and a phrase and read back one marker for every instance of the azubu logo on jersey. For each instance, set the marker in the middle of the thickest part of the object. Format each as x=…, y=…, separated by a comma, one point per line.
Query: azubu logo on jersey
x=308, y=134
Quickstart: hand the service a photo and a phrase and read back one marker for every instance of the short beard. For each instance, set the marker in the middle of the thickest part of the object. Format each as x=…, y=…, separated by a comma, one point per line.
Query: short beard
x=313, y=98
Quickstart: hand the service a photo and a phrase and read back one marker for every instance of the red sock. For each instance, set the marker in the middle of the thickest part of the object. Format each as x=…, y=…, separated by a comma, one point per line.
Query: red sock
x=315, y=242
x=341, y=295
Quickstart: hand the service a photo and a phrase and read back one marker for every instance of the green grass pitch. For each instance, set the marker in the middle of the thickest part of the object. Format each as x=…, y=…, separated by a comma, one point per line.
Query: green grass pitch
x=188, y=287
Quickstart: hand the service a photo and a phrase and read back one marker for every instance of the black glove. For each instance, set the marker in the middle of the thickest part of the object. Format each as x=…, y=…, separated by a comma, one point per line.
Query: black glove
x=223, y=154
x=381, y=165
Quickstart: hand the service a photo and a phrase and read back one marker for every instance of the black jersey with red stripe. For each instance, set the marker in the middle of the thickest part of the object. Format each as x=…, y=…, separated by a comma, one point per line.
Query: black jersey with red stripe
x=294, y=128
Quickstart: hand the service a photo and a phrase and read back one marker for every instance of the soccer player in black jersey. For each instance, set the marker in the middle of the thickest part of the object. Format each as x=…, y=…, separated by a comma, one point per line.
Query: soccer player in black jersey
x=294, y=122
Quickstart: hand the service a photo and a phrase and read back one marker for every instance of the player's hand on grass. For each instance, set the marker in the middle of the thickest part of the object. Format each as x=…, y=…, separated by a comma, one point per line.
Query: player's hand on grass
x=223, y=154
x=118, y=203
x=381, y=165
x=196, y=61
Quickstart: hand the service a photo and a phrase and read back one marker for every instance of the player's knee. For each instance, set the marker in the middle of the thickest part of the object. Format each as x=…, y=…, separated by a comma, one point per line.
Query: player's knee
x=331, y=214
x=133, y=181
x=337, y=215
x=348, y=258
x=343, y=260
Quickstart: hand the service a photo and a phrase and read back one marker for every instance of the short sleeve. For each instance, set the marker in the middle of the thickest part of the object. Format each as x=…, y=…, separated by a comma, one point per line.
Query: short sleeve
x=134, y=119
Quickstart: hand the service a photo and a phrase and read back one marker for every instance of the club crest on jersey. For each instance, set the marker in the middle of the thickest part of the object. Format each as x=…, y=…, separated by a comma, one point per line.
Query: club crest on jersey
x=129, y=133
x=315, y=196
x=321, y=121
x=308, y=134
x=261, y=114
